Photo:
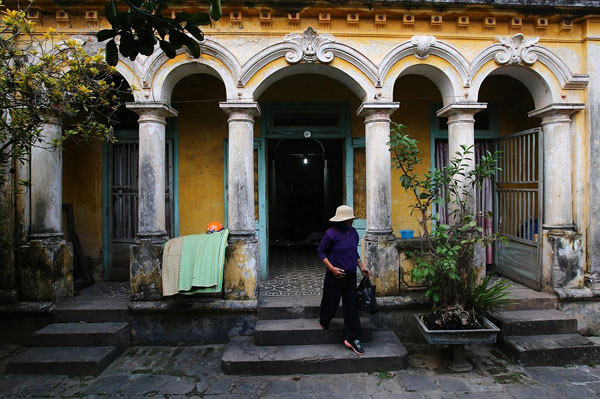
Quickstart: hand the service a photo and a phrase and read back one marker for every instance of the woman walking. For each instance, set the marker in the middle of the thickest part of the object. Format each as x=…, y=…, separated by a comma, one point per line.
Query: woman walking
x=338, y=251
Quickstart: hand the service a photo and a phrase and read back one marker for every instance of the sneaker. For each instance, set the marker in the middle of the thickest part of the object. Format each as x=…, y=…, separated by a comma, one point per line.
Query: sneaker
x=355, y=346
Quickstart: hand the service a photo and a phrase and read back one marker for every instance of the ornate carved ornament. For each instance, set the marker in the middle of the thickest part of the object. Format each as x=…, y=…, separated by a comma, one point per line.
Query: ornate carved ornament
x=423, y=44
x=309, y=47
x=516, y=50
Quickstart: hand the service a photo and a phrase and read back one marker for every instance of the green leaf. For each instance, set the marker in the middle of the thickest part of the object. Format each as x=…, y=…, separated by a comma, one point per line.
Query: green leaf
x=194, y=31
x=193, y=46
x=215, y=9
x=105, y=34
x=110, y=11
x=125, y=18
x=167, y=48
x=112, y=54
x=182, y=16
x=199, y=18
x=162, y=5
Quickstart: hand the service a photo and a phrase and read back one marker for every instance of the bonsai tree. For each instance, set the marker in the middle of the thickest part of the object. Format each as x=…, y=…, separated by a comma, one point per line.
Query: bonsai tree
x=444, y=263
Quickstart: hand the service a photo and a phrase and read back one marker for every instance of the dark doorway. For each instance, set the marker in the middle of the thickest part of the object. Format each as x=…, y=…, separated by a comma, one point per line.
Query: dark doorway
x=305, y=187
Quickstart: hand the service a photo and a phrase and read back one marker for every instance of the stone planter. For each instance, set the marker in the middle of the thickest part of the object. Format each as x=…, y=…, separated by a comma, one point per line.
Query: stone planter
x=458, y=339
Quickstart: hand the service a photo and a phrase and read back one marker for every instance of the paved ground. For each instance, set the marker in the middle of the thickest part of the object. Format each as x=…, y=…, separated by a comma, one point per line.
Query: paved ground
x=194, y=372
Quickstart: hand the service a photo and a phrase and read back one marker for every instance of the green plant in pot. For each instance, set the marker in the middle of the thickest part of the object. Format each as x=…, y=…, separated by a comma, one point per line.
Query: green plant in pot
x=444, y=264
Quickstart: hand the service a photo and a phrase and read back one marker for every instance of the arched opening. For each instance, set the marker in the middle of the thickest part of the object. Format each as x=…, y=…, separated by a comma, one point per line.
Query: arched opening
x=199, y=133
x=99, y=207
x=299, y=70
x=419, y=98
x=310, y=143
x=517, y=189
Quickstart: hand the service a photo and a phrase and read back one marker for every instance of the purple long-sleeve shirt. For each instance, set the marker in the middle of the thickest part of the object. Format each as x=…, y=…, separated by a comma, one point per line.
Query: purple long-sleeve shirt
x=339, y=245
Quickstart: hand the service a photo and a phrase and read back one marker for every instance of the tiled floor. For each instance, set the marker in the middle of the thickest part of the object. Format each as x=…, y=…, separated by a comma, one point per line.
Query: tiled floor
x=293, y=271
x=107, y=289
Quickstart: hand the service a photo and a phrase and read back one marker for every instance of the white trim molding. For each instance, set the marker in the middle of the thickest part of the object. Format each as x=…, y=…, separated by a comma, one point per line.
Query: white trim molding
x=308, y=47
x=422, y=47
x=521, y=50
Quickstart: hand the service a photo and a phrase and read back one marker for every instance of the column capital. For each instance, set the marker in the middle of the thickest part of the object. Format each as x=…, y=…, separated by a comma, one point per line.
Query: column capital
x=240, y=110
x=461, y=112
x=377, y=111
x=152, y=111
x=556, y=112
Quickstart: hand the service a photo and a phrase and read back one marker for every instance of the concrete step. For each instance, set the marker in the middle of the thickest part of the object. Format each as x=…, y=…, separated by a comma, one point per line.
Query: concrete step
x=92, y=310
x=290, y=307
x=304, y=332
x=551, y=350
x=74, y=360
x=534, y=322
x=243, y=357
x=83, y=334
x=523, y=298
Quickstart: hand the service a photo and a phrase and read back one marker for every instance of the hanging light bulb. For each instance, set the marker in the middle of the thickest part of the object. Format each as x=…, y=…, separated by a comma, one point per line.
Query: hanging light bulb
x=305, y=161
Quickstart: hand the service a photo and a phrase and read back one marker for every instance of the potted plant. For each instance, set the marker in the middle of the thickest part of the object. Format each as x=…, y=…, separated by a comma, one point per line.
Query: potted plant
x=444, y=263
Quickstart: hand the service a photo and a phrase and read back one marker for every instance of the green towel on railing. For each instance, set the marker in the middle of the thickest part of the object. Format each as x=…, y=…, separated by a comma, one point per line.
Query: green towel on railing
x=202, y=262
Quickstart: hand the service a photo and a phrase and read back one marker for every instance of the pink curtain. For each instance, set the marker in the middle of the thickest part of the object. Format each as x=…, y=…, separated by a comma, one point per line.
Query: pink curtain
x=484, y=201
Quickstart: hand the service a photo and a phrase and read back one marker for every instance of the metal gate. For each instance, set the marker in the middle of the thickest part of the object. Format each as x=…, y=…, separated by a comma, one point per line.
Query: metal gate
x=519, y=206
x=122, y=210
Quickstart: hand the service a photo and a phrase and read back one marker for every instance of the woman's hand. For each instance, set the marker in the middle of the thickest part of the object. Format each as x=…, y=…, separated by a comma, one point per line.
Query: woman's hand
x=365, y=271
x=337, y=272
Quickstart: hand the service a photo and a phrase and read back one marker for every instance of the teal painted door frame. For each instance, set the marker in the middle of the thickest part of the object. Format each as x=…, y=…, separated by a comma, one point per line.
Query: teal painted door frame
x=260, y=224
x=267, y=131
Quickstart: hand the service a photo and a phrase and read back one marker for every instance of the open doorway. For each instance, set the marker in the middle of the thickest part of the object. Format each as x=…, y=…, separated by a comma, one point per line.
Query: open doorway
x=305, y=187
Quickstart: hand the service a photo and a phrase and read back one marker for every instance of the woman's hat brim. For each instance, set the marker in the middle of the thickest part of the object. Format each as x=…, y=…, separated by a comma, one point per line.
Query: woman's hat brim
x=341, y=218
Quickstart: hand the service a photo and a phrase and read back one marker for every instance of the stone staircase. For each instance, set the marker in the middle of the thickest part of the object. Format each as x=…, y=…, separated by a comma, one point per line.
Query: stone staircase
x=289, y=340
x=86, y=335
x=535, y=333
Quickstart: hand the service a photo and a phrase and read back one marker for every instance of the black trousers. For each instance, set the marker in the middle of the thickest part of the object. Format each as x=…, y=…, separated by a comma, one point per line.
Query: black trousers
x=333, y=289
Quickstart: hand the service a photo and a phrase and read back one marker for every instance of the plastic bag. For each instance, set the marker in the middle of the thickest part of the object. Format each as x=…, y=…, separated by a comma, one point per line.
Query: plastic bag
x=366, y=296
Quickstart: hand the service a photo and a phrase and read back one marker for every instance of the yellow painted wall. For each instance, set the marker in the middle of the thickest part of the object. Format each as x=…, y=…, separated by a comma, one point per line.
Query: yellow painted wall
x=202, y=127
x=82, y=187
x=415, y=94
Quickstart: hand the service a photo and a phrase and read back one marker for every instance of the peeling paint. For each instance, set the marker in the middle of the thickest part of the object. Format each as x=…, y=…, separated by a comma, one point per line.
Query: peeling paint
x=145, y=271
x=240, y=279
x=383, y=260
x=567, y=259
x=46, y=271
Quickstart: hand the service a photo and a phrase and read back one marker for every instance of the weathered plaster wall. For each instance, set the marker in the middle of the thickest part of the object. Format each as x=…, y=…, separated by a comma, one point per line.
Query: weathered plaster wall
x=593, y=127
x=415, y=94
x=82, y=187
x=202, y=129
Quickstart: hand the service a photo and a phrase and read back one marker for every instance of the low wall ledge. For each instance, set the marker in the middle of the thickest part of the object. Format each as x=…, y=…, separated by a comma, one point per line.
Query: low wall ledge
x=409, y=243
x=27, y=308
x=407, y=299
x=193, y=305
x=577, y=294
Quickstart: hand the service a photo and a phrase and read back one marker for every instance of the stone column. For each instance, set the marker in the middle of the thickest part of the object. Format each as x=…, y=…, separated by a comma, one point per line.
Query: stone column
x=46, y=261
x=461, y=132
x=461, y=129
x=563, y=263
x=145, y=260
x=592, y=33
x=242, y=266
x=381, y=255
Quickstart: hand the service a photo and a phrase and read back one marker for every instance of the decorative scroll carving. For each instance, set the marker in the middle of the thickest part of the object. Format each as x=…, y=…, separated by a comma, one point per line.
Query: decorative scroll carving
x=423, y=44
x=516, y=50
x=309, y=47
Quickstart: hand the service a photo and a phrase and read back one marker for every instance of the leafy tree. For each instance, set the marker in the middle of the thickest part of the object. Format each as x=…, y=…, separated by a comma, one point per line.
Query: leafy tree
x=44, y=77
x=137, y=30
x=444, y=263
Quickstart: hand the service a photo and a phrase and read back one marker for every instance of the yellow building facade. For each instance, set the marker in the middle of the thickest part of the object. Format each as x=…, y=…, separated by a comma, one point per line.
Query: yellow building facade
x=323, y=84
